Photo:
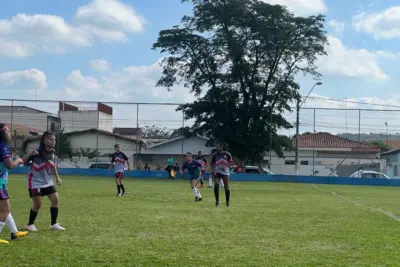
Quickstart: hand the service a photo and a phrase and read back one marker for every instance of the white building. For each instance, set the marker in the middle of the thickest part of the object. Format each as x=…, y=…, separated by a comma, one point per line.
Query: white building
x=35, y=120
x=84, y=118
x=327, y=154
x=176, y=148
x=92, y=140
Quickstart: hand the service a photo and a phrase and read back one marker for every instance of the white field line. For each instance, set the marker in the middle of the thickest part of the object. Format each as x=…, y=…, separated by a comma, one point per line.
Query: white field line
x=387, y=213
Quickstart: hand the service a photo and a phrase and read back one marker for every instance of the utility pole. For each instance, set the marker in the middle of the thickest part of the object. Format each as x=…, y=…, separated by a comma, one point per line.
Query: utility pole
x=386, y=132
x=298, y=106
x=296, y=161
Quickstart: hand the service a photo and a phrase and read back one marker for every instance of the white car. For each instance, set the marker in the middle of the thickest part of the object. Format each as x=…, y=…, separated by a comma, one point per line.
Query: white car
x=369, y=174
x=253, y=169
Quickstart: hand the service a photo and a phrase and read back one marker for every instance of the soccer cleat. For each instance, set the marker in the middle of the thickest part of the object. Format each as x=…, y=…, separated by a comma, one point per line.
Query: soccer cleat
x=199, y=199
x=209, y=186
x=118, y=195
x=217, y=204
x=196, y=199
x=31, y=228
x=18, y=234
x=3, y=241
x=227, y=205
x=57, y=227
x=123, y=194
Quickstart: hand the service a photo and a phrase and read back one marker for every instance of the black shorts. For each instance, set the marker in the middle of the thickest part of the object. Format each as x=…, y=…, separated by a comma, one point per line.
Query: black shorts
x=41, y=192
x=119, y=175
x=4, y=194
x=219, y=176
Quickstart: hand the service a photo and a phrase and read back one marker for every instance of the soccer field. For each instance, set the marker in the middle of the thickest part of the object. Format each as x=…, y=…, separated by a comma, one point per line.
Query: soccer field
x=158, y=224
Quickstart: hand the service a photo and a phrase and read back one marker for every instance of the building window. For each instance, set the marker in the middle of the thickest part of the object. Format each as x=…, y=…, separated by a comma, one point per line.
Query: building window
x=289, y=162
x=304, y=162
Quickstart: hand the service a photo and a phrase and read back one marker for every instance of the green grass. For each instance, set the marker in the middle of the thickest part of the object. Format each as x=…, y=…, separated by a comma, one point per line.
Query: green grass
x=158, y=224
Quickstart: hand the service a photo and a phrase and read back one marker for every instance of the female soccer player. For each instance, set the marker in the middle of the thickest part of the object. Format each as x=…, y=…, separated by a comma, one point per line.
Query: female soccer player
x=203, y=161
x=220, y=163
x=7, y=164
x=210, y=178
x=193, y=169
x=40, y=182
x=119, y=158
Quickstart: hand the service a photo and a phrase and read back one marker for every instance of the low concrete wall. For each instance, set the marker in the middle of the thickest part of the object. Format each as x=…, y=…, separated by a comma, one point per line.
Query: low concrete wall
x=234, y=177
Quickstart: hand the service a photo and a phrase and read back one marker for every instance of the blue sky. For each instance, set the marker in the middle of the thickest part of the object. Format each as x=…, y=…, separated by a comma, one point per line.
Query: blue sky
x=101, y=49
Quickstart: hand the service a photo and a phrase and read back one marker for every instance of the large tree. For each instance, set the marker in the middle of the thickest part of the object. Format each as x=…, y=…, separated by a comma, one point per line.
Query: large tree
x=240, y=59
x=155, y=132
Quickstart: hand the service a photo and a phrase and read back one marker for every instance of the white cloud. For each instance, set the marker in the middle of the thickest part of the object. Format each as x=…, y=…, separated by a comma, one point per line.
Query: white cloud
x=26, y=35
x=100, y=65
x=381, y=25
x=29, y=79
x=337, y=26
x=109, y=19
x=302, y=7
x=129, y=84
x=345, y=61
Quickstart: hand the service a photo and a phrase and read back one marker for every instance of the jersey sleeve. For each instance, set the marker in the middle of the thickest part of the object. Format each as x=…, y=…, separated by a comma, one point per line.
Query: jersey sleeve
x=125, y=157
x=184, y=166
x=229, y=156
x=5, y=152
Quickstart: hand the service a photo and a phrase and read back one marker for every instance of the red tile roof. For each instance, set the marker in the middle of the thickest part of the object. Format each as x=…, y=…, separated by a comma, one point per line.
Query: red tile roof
x=326, y=140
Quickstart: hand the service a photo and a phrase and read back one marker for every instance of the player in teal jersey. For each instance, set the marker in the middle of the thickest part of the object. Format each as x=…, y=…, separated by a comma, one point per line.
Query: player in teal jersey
x=6, y=164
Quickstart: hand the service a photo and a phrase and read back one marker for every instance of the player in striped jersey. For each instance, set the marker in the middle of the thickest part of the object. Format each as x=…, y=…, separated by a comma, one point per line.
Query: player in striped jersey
x=40, y=182
x=220, y=162
x=6, y=164
x=119, y=158
x=203, y=161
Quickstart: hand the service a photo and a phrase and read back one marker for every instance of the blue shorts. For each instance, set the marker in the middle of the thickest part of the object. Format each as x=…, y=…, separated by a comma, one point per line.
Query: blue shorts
x=3, y=193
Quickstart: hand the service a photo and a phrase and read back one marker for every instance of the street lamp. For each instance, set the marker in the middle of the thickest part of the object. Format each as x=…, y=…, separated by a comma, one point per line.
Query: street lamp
x=298, y=106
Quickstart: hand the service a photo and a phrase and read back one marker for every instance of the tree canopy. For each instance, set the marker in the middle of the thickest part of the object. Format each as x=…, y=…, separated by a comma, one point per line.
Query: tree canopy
x=240, y=59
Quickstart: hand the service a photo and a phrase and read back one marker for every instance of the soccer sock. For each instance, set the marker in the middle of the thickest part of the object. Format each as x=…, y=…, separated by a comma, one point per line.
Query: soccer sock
x=1, y=226
x=32, y=217
x=216, y=192
x=210, y=182
x=227, y=194
x=123, y=188
x=119, y=189
x=54, y=215
x=11, y=224
x=194, y=190
x=198, y=193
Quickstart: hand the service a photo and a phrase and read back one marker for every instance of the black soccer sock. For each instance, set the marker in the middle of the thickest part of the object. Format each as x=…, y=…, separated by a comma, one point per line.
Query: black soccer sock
x=201, y=181
x=32, y=217
x=216, y=192
x=123, y=188
x=119, y=189
x=54, y=215
x=227, y=194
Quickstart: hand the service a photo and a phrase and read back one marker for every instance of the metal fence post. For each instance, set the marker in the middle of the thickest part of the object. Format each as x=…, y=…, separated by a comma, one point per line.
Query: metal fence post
x=97, y=134
x=182, y=132
x=313, y=152
x=359, y=125
x=140, y=138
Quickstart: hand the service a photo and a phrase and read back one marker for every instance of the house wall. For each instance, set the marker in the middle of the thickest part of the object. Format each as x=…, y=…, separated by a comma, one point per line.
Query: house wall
x=105, y=122
x=325, y=162
x=89, y=141
x=392, y=165
x=29, y=118
x=192, y=145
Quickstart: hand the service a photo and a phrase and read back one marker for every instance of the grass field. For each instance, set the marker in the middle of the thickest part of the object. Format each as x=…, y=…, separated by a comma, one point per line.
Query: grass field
x=158, y=224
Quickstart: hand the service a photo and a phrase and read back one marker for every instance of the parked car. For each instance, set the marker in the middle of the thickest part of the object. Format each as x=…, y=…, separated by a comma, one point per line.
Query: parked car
x=253, y=169
x=369, y=174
